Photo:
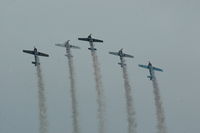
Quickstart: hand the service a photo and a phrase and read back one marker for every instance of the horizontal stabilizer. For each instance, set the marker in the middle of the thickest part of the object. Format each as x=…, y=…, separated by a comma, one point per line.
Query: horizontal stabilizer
x=92, y=49
x=150, y=77
x=35, y=63
x=121, y=64
x=68, y=55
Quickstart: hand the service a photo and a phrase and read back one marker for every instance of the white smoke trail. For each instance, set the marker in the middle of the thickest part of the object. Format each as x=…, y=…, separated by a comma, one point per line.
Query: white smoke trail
x=42, y=102
x=129, y=101
x=100, y=93
x=75, y=114
x=161, y=126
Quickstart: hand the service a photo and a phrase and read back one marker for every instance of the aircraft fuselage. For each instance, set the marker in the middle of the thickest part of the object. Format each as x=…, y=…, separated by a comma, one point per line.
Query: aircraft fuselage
x=92, y=46
x=36, y=57
x=120, y=53
x=151, y=71
x=67, y=46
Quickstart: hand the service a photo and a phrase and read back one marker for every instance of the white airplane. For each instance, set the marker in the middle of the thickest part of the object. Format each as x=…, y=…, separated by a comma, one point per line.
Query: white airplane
x=151, y=70
x=36, y=54
x=91, y=40
x=121, y=55
x=68, y=46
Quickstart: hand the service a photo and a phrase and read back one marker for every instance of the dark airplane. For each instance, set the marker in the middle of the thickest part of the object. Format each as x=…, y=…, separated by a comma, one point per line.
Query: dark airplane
x=121, y=55
x=151, y=70
x=36, y=54
x=91, y=40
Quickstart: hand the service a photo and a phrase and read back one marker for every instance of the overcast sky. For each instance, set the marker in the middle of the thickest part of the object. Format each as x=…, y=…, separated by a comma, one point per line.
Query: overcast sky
x=165, y=32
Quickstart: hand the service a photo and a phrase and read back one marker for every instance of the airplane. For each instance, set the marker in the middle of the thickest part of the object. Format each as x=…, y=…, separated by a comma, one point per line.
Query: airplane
x=36, y=54
x=151, y=70
x=121, y=55
x=68, y=46
x=91, y=40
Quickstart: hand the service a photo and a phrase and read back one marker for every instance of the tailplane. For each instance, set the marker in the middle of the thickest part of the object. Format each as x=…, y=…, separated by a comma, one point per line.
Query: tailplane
x=68, y=55
x=150, y=77
x=35, y=63
x=122, y=64
x=92, y=49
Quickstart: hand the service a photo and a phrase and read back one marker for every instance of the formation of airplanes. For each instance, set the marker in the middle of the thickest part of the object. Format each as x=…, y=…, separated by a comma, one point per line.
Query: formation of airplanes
x=91, y=41
x=68, y=46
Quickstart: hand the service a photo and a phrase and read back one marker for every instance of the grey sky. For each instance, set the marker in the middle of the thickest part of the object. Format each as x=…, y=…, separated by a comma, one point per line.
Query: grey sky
x=164, y=32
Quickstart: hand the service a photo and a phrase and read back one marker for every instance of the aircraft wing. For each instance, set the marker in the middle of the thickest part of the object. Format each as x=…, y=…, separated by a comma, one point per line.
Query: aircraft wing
x=143, y=66
x=83, y=39
x=97, y=40
x=130, y=56
x=114, y=53
x=60, y=45
x=28, y=51
x=76, y=47
x=43, y=54
x=157, y=69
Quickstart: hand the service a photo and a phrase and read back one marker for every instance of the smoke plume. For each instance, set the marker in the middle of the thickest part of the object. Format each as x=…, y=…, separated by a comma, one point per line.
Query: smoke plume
x=75, y=114
x=100, y=93
x=129, y=101
x=161, y=126
x=42, y=102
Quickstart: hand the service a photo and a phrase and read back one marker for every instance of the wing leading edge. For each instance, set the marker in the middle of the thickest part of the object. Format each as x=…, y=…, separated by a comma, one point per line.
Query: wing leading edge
x=143, y=66
x=157, y=69
x=114, y=53
x=60, y=45
x=76, y=47
x=127, y=55
x=28, y=51
x=83, y=39
x=97, y=40
x=43, y=54
x=92, y=40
